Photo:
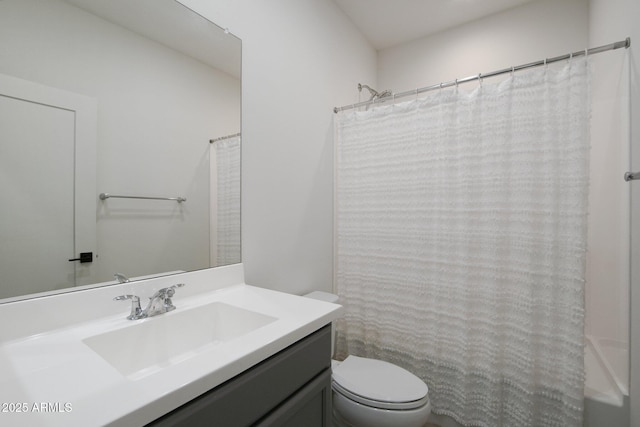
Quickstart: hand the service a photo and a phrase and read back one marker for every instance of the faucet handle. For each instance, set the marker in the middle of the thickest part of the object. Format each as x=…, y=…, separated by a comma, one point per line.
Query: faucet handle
x=168, y=294
x=171, y=290
x=136, y=310
x=126, y=297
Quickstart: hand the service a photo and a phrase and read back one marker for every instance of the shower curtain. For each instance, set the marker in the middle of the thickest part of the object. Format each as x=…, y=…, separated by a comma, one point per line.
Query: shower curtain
x=228, y=200
x=460, y=244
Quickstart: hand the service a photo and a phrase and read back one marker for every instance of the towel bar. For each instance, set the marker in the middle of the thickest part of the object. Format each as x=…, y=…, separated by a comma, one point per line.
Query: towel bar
x=104, y=196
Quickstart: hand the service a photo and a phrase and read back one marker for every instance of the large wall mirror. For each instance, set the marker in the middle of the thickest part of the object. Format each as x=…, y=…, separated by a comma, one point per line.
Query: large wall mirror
x=133, y=98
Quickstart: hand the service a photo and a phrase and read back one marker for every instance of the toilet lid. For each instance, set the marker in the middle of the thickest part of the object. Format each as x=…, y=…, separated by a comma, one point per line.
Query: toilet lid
x=380, y=384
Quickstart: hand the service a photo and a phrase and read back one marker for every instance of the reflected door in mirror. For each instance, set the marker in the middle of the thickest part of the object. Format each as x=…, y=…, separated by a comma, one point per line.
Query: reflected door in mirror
x=36, y=213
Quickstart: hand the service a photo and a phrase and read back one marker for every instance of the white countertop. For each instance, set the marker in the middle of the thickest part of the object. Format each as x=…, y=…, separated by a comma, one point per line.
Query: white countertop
x=53, y=379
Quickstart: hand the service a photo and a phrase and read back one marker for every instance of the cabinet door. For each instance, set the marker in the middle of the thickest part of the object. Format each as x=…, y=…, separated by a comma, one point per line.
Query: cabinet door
x=309, y=407
x=255, y=395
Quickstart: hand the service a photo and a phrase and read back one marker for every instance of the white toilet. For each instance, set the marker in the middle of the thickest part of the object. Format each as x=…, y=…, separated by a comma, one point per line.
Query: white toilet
x=374, y=393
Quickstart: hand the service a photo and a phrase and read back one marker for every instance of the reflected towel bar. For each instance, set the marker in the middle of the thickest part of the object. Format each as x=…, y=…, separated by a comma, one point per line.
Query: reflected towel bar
x=104, y=196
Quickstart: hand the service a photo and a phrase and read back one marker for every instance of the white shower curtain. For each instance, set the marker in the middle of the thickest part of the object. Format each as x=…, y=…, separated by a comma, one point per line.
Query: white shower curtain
x=228, y=201
x=461, y=244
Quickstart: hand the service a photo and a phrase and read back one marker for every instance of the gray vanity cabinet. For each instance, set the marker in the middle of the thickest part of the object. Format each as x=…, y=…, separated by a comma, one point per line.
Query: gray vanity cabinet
x=292, y=388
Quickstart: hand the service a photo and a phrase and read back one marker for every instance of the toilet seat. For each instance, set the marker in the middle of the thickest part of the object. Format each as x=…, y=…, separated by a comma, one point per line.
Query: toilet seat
x=379, y=384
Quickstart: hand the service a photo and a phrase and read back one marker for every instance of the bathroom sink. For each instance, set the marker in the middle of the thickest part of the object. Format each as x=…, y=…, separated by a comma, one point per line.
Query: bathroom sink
x=152, y=344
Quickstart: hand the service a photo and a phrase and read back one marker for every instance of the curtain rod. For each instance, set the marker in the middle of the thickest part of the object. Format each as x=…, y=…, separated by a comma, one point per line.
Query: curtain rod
x=211, y=141
x=617, y=45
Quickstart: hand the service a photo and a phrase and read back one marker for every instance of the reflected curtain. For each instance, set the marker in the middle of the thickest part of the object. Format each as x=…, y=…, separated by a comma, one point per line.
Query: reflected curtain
x=228, y=201
x=461, y=226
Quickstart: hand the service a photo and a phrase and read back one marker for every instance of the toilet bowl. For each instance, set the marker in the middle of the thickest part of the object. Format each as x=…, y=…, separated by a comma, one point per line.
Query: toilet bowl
x=374, y=393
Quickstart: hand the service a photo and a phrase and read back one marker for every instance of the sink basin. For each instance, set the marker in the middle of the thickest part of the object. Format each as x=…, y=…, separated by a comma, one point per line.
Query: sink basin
x=152, y=344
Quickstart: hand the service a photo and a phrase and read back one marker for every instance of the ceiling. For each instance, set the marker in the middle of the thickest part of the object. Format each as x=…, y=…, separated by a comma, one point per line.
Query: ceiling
x=174, y=25
x=387, y=23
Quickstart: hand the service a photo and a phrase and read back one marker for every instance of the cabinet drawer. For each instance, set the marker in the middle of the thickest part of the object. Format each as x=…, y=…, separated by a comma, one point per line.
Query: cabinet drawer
x=251, y=395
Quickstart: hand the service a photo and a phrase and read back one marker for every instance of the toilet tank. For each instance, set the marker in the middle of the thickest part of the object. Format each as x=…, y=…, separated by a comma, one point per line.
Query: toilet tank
x=323, y=296
x=328, y=297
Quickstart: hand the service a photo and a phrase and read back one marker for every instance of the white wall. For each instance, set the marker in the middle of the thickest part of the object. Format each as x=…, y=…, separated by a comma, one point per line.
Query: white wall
x=157, y=110
x=608, y=278
x=300, y=59
x=534, y=31
x=619, y=19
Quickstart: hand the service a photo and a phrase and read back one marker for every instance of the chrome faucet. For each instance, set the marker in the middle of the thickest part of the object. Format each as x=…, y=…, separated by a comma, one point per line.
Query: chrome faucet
x=160, y=302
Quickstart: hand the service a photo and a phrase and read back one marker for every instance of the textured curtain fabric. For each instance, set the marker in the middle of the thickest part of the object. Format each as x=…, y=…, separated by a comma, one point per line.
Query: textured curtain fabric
x=228, y=201
x=461, y=227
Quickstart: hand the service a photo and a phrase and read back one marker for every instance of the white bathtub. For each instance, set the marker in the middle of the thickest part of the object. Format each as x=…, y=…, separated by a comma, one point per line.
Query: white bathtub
x=606, y=388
